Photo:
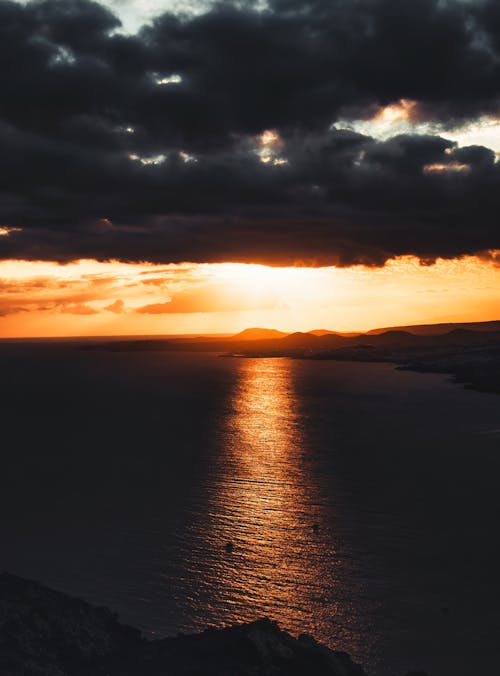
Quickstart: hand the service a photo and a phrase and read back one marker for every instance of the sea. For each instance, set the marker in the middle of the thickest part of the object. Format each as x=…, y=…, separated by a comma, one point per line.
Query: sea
x=352, y=502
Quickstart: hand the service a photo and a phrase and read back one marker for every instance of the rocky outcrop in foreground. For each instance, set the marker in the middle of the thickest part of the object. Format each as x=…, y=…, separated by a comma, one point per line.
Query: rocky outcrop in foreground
x=46, y=633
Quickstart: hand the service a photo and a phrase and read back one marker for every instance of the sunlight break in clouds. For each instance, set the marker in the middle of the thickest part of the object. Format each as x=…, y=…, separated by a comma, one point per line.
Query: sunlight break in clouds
x=402, y=117
x=134, y=13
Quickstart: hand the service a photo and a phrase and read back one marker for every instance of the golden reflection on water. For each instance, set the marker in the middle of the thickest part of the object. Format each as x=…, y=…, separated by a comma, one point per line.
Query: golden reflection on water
x=265, y=539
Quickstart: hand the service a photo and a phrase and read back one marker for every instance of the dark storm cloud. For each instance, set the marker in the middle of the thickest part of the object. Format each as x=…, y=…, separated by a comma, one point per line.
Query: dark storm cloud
x=144, y=147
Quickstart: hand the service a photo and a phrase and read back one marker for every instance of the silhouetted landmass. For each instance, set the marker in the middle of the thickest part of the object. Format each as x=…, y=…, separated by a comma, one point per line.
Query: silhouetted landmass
x=470, y=355
x=46, y=633
x=475, y=369
x=325, y=332
x=258, y=334
x=437, y=329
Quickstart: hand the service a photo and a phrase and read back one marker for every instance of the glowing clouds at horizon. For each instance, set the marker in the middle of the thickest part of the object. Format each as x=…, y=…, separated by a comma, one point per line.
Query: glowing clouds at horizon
x=88, y=297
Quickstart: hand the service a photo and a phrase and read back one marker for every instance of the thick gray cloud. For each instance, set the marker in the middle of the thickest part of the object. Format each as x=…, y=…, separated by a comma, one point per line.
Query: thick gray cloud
x=145, y=147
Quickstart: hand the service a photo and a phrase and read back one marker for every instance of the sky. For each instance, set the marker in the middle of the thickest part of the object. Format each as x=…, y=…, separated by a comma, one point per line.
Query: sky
x=174, y=167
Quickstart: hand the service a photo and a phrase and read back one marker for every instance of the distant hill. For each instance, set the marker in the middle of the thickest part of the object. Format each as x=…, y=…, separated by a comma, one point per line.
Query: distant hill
x=311, y=341
x=258, y=334
x=323, y=332
x=391, y=339
x=439, y=329
x=327, y=332
x=378, y=345
x=387, y=338
x=394, y=333
x=296, y=337
x=299, y=339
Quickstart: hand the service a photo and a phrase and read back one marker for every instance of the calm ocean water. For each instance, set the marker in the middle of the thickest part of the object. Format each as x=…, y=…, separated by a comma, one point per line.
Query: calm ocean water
x=361, y=503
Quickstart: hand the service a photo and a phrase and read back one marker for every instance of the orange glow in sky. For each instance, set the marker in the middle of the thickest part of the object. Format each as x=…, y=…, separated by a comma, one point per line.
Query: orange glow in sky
x=95, y=298
x=402, y=110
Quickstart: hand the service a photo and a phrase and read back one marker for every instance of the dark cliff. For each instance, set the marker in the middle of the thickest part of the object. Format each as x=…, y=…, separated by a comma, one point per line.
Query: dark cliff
x=46, y=633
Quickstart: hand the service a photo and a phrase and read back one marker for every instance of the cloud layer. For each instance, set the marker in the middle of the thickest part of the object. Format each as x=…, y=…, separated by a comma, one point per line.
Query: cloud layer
x=212, y=137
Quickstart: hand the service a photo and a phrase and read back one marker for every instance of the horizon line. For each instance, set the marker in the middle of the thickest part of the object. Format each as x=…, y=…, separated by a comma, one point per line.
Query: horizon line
x=159, y=336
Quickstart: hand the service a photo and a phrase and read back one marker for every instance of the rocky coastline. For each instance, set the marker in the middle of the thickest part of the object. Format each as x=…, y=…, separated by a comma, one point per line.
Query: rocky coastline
x=47, y=633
